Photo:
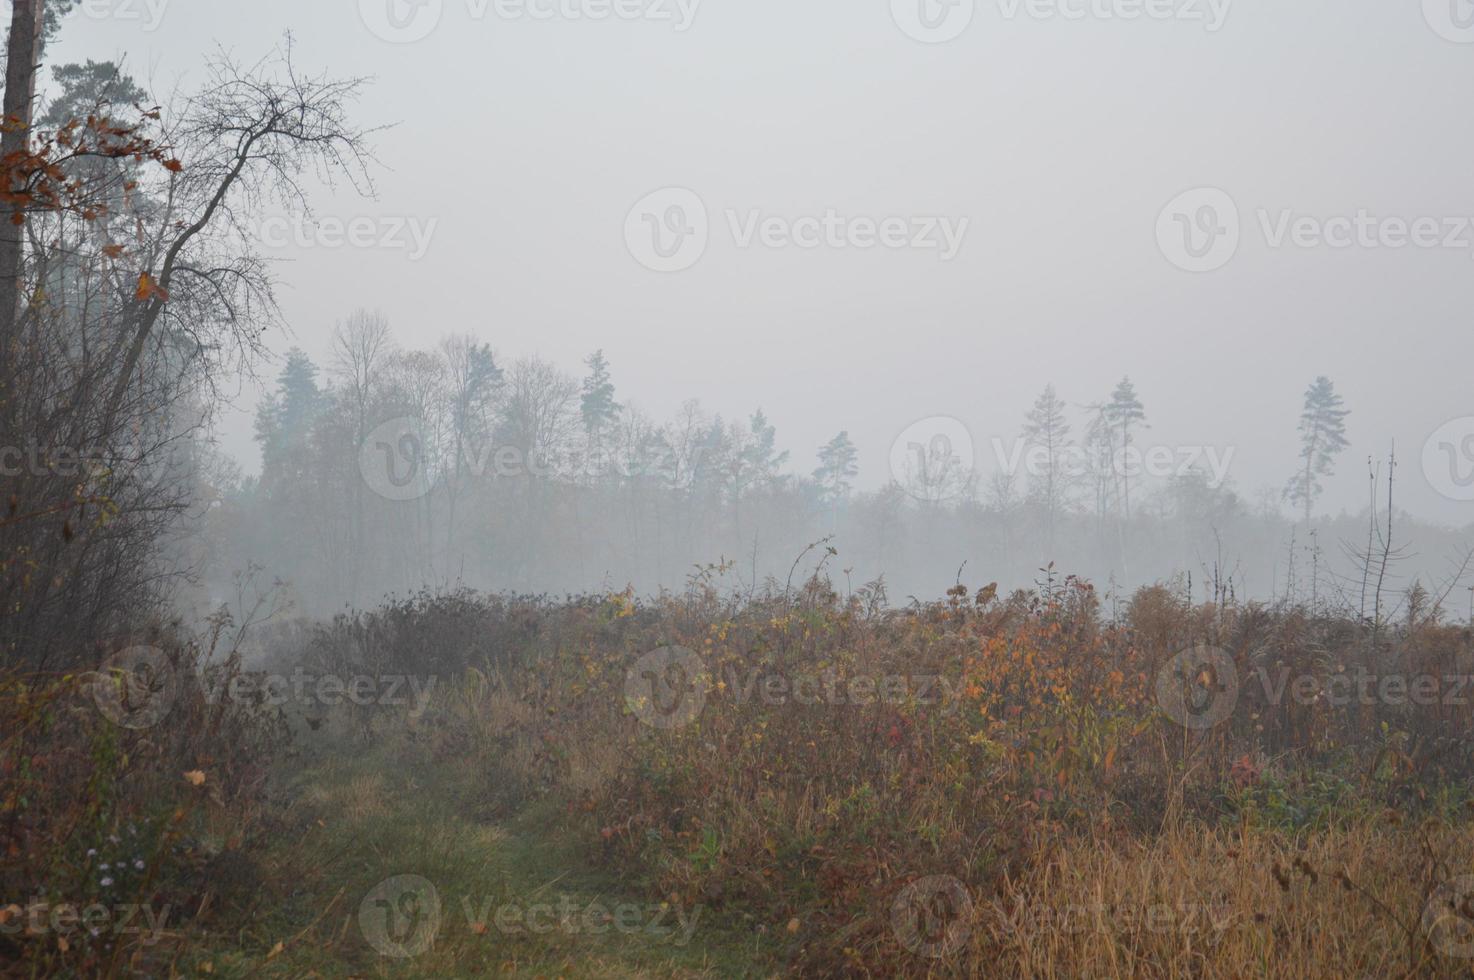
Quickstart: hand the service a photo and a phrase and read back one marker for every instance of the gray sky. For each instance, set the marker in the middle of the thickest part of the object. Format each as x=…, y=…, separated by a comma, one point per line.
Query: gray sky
x=1060, y=139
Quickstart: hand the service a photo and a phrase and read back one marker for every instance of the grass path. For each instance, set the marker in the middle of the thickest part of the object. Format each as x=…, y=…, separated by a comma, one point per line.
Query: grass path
x=514, y=899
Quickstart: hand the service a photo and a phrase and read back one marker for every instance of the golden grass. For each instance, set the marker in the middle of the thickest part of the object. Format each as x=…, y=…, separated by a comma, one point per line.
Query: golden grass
x=1197, y=902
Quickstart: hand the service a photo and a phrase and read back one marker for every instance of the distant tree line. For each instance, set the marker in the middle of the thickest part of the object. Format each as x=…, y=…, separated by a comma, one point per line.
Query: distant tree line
x=387, y=469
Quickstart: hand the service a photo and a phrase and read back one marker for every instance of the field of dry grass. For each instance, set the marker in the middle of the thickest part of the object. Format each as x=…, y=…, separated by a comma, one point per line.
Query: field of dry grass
x=797, y=784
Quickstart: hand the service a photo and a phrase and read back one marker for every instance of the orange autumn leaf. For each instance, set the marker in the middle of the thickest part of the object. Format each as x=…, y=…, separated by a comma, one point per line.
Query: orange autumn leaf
x=148, y=287
x=195, y=777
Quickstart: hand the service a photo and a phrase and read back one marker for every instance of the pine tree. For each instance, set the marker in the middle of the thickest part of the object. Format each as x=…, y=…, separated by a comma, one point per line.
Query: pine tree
x=760, y=456
x=598, y=407
x=1322, y=439
x=1125, y=413
x=286, y=415
x=1047, y=429
x=838, y=465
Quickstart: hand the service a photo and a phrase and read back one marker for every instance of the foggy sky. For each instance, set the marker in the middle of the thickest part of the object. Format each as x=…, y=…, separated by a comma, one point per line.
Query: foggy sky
x=528, y=141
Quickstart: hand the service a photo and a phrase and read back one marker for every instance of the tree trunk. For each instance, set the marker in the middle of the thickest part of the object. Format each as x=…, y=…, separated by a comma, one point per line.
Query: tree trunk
x=20, y=95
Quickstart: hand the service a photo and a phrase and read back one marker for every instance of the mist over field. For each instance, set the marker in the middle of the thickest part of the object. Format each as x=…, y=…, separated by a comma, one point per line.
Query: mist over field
x=908, y=245
x=711, y=488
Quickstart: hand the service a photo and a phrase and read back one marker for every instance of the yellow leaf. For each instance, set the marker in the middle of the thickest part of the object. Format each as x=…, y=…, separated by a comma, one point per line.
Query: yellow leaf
x=195, y=777
x=793, y=926
x=148, y=288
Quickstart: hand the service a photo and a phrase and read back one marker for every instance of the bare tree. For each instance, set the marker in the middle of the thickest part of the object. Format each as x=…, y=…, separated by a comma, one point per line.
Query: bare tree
x=472, y=382
x=129, y=325
x=360, y=345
